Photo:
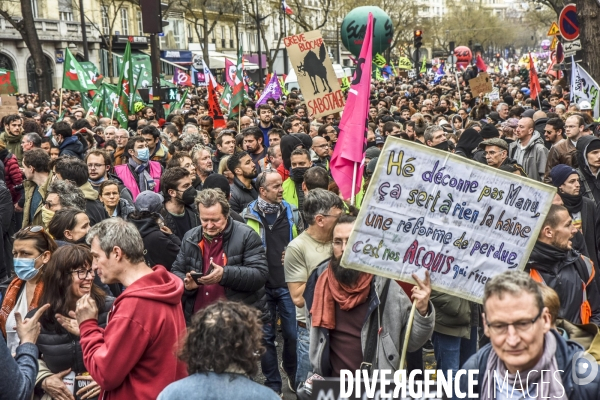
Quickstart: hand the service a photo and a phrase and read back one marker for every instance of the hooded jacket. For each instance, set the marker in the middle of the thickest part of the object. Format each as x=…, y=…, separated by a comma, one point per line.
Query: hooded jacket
x=93, y=207
x=134, y=356
x=13, y=144
x=566, y=353
x=468, y=142
x=565, y=271
x=161, y=248
x=534, y=157
x=71, y=146
x=245, y=274
x=539, y=126
x=29, y=189
x=590, y=184
x=12, y=174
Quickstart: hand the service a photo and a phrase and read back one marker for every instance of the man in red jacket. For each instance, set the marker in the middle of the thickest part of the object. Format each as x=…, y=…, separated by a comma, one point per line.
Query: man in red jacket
x=134, y=356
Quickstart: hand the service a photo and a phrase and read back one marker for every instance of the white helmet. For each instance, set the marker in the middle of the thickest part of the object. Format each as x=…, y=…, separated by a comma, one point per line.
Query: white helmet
x=585, y=105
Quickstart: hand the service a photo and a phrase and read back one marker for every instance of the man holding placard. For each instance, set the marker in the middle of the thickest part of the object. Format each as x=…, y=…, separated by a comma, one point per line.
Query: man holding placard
x=346, y=304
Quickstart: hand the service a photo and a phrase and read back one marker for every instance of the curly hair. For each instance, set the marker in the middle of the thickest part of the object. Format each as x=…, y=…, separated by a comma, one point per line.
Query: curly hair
x=224, y=337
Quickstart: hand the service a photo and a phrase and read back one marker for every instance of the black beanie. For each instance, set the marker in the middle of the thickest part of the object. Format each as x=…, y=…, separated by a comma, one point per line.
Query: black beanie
x=489, y=131
x=594, y=145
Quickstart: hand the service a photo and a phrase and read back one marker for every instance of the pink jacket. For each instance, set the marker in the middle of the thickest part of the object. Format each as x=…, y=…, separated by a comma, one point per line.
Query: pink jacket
x=125, y=174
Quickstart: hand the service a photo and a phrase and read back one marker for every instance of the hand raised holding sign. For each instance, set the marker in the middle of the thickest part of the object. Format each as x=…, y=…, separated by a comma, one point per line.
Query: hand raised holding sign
x=421, y=292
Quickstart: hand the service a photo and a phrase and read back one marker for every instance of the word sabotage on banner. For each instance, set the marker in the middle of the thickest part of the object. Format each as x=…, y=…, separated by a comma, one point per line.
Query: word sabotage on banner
x=316, y=77
x=463, y=221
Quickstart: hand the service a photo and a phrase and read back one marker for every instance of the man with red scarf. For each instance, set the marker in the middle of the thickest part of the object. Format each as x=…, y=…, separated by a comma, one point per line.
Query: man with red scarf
x=341, y=302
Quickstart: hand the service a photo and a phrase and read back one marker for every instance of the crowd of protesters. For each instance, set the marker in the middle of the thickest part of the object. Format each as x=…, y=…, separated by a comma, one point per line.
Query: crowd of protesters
x=160, y=260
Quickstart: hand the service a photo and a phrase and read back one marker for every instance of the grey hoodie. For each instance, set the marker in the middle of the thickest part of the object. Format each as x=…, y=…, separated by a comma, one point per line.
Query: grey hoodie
x=534, y=156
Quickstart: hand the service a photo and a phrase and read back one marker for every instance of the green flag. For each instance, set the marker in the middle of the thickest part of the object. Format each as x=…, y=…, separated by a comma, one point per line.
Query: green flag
x=345, y=83
x=110, y=104
x=125, y=89
x=86, y=101
x=8, y=82
x=237, y=91
x=92, y=71
x=225, y=98
x=95, y=105
x=179, y=104
x=74, y=76
x=379, y=60
x=424, y=65
x=404, y=63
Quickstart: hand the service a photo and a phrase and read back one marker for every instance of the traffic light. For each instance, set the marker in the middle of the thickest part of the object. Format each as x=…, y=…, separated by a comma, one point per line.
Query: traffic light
x=152, y=12
x=418, y=38
x=170, y=94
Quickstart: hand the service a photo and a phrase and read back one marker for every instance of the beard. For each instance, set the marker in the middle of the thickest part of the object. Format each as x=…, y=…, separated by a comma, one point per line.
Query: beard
x=250, y=175
x=345, y=276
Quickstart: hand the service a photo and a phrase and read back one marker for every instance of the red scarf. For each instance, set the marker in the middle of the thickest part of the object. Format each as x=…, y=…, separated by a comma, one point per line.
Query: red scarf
x=329, y=291
x=10, y=300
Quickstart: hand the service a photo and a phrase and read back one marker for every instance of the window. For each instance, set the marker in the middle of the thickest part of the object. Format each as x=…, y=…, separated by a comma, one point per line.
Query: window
x=140, y=24
x=190, y=33
x=178, y=32
x=223, y=36
x=65, y=16
x=34, y=8
x=104, y=12
x=124, y=22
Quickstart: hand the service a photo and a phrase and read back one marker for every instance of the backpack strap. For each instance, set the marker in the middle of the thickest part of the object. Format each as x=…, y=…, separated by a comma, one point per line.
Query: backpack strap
x=373, y=333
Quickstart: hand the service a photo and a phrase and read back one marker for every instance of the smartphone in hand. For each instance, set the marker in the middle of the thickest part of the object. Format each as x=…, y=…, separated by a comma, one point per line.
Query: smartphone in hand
x=196, y=277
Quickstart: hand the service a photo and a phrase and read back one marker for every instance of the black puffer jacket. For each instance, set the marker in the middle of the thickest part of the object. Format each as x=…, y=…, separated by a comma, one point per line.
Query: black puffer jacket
x=245, y=274
x=564, y=271
x=161, y=248
x=241, y=196
x=61, y=350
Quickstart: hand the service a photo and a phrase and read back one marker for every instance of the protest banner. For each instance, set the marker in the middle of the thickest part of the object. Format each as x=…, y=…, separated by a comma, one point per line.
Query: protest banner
x=463, y=221
x=481, y=84
x=8, y=106
x=316, y=77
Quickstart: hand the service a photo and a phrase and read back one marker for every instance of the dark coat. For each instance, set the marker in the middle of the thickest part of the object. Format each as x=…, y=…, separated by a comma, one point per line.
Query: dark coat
x=170, y=222
x=245, y=274
x=161, y=248
x=241, y=196
x=60, y=349
x=71, y=146
x=95, y=211
x=590, y=185
x=7, y=211
x=566, y=353
x=564, y=272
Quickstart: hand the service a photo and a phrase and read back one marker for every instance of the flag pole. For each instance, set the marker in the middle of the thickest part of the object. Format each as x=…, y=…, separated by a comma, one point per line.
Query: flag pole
x=353, y=197
x=411, y=318
x=113, y=111
x=60, y=103
x=539, y=103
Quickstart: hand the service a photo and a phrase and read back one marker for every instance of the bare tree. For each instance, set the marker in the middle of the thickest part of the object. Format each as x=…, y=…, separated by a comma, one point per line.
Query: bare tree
x=555, y=5
x=28, y=31
x=311, y=18
x=587, y=13
x=250, y=8
x=204, y=15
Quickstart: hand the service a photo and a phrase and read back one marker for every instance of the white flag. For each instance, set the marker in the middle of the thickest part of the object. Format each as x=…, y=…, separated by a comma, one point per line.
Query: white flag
x=584, y=88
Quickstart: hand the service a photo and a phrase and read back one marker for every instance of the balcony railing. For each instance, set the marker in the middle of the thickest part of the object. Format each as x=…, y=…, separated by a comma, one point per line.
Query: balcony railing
x=52, y=30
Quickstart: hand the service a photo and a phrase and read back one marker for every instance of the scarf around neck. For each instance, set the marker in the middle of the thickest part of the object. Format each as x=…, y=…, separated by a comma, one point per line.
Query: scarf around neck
x=550, y=389
x=267, y=208
x=145, y=181
x=329, y=291
x=572, y=203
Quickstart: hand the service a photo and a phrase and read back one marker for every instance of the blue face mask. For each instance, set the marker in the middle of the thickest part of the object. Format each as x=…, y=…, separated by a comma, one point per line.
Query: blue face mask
x=25, y=268
x=143, y=154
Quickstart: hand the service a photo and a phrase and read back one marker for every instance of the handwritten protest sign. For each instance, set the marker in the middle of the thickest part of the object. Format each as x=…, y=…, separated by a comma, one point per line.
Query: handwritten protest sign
x=481, y=84
x=316, y=77
x=463, y=221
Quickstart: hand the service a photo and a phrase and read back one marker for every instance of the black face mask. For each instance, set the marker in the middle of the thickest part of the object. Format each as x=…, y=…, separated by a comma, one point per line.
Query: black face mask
x=442, y=146
x=81, y=240
x=189, y=196
x=297, y=174
x=371, y=144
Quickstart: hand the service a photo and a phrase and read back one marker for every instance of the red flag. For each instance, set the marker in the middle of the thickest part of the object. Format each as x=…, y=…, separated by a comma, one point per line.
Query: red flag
x=480, y=64
x=534, y=82
x=180, y=77
x=230, y=72
x=213, y=107
x=352, y=140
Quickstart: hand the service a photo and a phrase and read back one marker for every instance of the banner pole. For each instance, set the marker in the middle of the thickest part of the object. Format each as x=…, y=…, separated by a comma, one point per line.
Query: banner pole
x=60, y=103
x=411, y=318
x=113, y=111
x=352, y=198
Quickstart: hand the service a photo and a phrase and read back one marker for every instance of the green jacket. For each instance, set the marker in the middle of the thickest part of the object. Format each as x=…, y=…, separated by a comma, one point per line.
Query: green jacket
x=452, y=315
x=289, y=192
x=13, y=143
x=29, y=187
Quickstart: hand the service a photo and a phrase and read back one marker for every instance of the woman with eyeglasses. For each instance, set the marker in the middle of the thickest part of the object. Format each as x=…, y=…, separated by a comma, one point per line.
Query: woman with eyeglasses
x=32, y=249
x=68, y=277
x=115, y=206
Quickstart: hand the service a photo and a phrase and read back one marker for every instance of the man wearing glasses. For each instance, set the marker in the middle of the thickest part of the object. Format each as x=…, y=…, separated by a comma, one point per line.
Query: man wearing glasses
x=322, y=149
x=496, y=152
x=522, y=341
x=121, y=137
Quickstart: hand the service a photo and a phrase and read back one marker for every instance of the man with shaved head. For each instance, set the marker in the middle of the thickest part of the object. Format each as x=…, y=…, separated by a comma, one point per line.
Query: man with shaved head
x=529, y=150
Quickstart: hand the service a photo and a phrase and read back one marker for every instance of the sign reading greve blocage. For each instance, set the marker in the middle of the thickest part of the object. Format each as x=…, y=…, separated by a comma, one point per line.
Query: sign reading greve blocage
x=316, y=77
x=431, y=210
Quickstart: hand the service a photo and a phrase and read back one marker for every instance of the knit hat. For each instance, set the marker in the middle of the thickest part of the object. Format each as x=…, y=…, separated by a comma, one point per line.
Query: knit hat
x=489, y=131
x=528, y=113
x=372, y=164
x=594, y=145
x=372, y=152
x=217, y=181
x=561, y=172
x=149, y=201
